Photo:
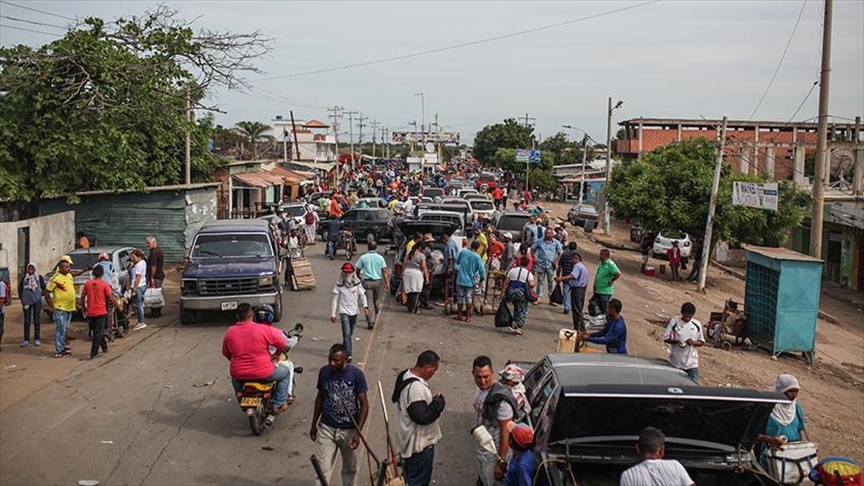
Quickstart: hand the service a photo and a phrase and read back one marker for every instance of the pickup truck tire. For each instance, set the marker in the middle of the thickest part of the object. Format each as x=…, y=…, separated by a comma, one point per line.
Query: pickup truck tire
x=277, y=311
x=188, y=316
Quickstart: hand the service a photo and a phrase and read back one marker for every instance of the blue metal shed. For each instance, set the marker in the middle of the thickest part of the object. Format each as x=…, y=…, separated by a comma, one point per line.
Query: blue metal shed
x=782, y=299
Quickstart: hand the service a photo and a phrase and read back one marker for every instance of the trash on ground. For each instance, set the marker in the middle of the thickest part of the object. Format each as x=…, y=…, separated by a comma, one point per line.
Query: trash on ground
x=206, y=383
x=107, y=441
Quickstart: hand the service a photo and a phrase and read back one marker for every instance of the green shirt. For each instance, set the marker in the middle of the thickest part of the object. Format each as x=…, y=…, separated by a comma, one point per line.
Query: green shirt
x=371, y=265
x=603, y=280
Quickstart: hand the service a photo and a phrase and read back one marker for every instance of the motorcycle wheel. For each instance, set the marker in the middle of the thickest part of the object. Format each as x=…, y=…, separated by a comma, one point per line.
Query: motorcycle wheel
x=256, y=421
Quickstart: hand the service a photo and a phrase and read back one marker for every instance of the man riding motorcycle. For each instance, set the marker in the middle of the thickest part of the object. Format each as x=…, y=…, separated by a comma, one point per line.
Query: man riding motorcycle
x=264, y=314
x=246, y=345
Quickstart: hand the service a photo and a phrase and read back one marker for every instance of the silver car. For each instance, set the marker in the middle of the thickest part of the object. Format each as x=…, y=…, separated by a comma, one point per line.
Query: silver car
x=83, y=260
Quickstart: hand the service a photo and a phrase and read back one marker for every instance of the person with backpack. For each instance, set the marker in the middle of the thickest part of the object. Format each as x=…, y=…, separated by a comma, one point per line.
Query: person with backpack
x=495, y=407
x=417, y=430
x=311, y=220
x=518, y=285
x=30, y=292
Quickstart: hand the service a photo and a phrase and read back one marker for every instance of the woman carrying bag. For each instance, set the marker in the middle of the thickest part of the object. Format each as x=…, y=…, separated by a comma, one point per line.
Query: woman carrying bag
x=518, y=284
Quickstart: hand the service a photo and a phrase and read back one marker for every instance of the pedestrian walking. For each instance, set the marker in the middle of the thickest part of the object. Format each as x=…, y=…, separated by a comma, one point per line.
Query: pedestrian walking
x=334, y=230
x=654, y=470
x=604, y=280
x=614, y=333
x=30, y=292
x=495, y=407
x=470, y=266
x=95, y=294
x=414, y=275
x=348, y=293
x=311, y=224
x=138, y=277
x=508, y=258
x=372, y=270
x=564, y=268
x=155, y=270
x=60, y=300
x=547, y=253
x=518, y=285
x=683, y=335
x=417, y=430
x=577, y=283
x=674, y=256
x=341, y=397
x=429, y=257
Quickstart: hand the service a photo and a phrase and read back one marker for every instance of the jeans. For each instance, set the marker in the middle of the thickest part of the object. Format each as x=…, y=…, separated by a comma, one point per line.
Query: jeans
x=565, y=290
x=97, y=326
x=348, y=323
x=604, y=301
x=486, y=468
x=282, y=375
x=693, y=373
x=35, y=312
x=418, y=467
x=139, y=303
x=331, y=249
x=374, y=291
x=577, y=301
x=331, y=441
x=62, y=319
x=547, y=274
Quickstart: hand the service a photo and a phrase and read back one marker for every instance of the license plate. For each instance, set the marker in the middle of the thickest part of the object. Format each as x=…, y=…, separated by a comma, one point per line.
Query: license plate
x=229, y=306
x=250, y=402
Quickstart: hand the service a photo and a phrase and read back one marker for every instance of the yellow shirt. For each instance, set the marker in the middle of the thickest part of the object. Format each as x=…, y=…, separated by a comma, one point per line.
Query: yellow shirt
x=484, y=244
x=409, y=246
x=63, y=299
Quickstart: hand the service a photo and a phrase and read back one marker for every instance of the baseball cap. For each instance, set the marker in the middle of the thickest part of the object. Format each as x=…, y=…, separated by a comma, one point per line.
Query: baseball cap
x=522, y=435
x=348, y=267
x=67, y=259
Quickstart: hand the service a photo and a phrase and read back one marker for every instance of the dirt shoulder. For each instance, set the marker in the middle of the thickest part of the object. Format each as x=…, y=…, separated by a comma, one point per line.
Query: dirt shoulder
x=832, y=389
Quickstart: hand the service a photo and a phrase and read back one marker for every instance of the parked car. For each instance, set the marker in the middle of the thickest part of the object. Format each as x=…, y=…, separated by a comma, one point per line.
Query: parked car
x=297, y=211
x=231, y=262
x=481, y=206
x=365, y=223
x=581, y=213
x=512, y=222
x=83, y=260
x=464, y=192
x=449, y=216
x=587, y=411
x=371, y=202
x=437, y=229
x=462, y=209
x=433, y=192
x=664, y=240
x=315, y=196
x=488, y=179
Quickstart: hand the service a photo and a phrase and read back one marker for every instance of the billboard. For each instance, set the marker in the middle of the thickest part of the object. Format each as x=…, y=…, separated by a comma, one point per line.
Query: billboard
x=447, y=138
x=525, y=156
x=754, y=195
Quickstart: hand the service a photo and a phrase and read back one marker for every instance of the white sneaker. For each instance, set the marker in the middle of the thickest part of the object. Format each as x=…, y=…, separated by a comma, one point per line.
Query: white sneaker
x=139, y=326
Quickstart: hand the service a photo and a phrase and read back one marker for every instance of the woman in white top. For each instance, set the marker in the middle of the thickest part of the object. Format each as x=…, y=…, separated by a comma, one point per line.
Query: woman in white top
x=414, y=275
x=518, y=283
x=138, y=278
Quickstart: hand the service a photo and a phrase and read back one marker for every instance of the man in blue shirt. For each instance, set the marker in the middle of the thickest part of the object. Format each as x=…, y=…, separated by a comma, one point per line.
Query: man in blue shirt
x=372, y=269
x=564, y=269
x=470, y=265
x=577, y=282
x=451, y=250
x=547, y=252
x=614, y=334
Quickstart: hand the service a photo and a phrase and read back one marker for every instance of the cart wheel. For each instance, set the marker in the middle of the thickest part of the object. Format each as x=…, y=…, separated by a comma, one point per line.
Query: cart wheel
x=726, y=345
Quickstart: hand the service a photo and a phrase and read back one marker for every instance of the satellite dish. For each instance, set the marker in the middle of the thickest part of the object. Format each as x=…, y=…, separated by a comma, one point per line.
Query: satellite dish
x=430, y=147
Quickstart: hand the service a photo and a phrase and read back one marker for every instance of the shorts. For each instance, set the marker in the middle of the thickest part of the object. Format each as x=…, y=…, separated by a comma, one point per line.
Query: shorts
x=464, y=295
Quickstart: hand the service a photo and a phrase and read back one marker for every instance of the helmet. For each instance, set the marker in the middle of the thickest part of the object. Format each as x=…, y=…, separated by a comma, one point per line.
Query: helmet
x=264, y=314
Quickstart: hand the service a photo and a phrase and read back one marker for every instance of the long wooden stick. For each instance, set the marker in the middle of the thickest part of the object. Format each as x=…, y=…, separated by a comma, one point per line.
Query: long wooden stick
x=316, y=465
x=390, y=449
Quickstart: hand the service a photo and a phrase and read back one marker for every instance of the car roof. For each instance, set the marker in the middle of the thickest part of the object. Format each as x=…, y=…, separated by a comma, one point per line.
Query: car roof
x=240, y=225
x=98, y=249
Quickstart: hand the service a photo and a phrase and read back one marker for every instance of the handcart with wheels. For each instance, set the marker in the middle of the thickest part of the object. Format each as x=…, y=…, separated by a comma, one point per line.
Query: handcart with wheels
x=493, y=293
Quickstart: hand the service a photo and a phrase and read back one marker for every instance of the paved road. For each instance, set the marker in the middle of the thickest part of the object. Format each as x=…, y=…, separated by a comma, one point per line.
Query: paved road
x=162, y=411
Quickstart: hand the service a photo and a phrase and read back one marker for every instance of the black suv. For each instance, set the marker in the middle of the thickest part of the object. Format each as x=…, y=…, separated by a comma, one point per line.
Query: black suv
x=231, y=262
x=588, y=410
x=365, y=222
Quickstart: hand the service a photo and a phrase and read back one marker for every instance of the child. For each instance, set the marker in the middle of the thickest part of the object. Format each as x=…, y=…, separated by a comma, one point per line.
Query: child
x=520, y=471
x=674, y=255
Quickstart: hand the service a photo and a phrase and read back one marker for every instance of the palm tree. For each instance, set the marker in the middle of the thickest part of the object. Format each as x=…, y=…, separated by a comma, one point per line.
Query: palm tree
x=254, y=132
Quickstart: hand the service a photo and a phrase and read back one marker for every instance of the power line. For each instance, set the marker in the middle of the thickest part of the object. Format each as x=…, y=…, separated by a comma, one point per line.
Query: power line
x=37, y=10
x=27, y=21
x=302, y=104
x=460, y=45
x=53, y=34
x=780, y=62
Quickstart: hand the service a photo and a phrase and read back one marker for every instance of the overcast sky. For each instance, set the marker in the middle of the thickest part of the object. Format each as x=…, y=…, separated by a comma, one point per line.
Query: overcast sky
x=683, y=59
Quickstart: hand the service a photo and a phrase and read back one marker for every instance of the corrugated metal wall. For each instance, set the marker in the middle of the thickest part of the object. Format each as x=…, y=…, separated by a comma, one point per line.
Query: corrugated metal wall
x=172, y=217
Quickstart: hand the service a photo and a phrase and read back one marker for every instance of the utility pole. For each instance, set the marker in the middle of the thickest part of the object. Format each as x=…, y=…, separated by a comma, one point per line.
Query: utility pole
x=414, y=138
x=438, y=138
x=360, y=125
x=817, y=218
x=584, y=161
x=422, y=115
x=606, y=217
x=336, y=114
x=188, y=165
x=526, y=119
x=351, y=133
x=712, y=206
x=374, y=140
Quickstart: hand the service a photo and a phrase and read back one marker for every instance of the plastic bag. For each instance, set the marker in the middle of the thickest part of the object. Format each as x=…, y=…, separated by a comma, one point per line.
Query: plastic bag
x=153, y=298
x=503, y=318
x=557, y=296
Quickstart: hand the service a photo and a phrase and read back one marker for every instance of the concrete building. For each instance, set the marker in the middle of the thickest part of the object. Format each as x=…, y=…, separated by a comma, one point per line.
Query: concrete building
x=311, y=139
x=42, y=240
x=250, y=188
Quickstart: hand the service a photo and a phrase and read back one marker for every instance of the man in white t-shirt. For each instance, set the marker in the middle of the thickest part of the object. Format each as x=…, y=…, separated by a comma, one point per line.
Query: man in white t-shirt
x=495, y=407
x=654, y=470
x=684, y=334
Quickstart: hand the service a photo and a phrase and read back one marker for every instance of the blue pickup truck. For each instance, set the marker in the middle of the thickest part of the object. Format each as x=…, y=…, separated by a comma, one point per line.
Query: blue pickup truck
x=231, y=262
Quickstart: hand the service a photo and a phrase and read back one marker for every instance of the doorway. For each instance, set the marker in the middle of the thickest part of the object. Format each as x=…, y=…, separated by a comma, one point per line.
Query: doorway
x=23, y=249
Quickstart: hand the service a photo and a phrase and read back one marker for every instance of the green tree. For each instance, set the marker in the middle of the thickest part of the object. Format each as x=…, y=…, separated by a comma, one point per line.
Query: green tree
x=255, y=137
x=565, y=150
x=510, y=135
x=104, y=107
x=670, y=188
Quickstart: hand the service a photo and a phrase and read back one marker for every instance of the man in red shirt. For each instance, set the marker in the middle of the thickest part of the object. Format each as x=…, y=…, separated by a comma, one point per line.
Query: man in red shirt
x=247, y=344
x=94, y=297
x=496, y=195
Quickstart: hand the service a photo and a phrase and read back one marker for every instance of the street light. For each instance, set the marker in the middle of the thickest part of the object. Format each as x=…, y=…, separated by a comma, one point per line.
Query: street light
x=422, y=115
x=606, y=220
x=585, y=138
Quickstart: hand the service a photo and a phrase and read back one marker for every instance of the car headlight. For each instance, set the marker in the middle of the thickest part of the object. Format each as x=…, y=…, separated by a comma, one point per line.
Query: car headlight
x=188, y=284
x=265, y=281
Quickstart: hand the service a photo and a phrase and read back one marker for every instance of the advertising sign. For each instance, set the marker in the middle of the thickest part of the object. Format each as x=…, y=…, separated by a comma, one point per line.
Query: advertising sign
x=755, y=195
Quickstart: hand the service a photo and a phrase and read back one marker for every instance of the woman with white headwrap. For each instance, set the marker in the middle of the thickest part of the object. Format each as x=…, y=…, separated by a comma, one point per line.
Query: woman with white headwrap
x=786, y=422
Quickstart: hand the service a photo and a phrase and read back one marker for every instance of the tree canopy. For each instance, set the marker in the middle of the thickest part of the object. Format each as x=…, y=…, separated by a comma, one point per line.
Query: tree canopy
x=670, y=188
x=104, y=107
x=508, y=135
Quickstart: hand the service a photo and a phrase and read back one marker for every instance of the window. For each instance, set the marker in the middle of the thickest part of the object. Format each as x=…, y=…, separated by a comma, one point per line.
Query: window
x=232, y=245
x=350, y=216
x=541, y=395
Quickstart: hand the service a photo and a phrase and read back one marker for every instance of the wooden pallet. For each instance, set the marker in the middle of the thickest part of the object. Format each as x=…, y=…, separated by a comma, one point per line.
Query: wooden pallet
x=303, y=277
